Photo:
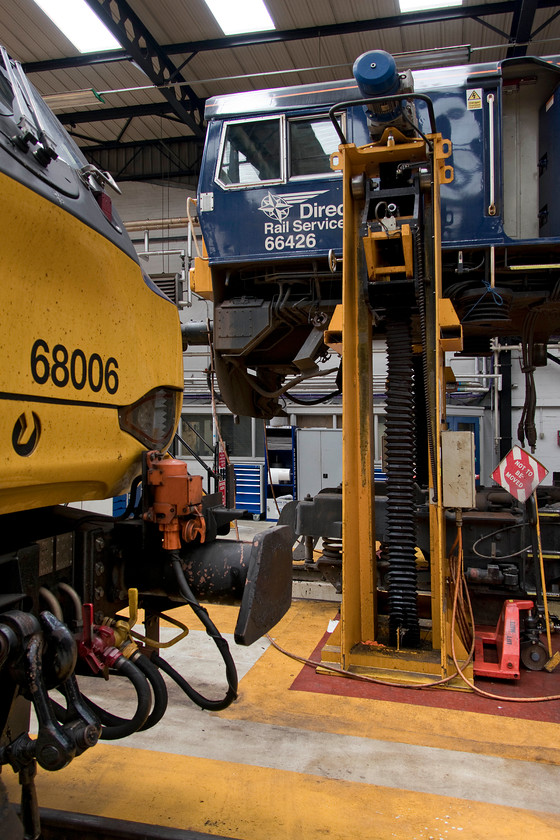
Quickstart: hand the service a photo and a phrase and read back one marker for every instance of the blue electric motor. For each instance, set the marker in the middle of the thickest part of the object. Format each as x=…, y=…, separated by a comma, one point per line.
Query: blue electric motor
x=376, y=74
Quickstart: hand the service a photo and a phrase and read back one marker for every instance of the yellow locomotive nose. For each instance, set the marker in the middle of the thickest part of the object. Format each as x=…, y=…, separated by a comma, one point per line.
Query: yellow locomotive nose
x=92, y=374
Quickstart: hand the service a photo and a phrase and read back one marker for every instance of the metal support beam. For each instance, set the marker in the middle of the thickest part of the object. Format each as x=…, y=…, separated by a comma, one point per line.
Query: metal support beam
x=506, y=439
x=492, y=28
x=521, y=26
x=546, y=23
x=140, y=44
x=156, y=142
x=123, y=129
x=358, y=512
x=352, y=27
x=152, y=109
x=149, y=160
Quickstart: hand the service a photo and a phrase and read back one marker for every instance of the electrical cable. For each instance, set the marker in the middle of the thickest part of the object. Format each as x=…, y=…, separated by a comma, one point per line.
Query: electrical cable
x=459, y=583
x=350, y=674
x=218, y=639
x=211, y=375
x=493, y=534
x=159, y=690
x=363, y=677
x=287, y=385
x=469, y=682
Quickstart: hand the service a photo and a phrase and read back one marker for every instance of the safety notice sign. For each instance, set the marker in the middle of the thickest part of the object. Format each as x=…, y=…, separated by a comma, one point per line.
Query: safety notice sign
x=474, y=99
x=519, y=473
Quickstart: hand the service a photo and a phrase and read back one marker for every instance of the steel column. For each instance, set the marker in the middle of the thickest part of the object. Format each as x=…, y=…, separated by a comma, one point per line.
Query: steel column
x=358, y=540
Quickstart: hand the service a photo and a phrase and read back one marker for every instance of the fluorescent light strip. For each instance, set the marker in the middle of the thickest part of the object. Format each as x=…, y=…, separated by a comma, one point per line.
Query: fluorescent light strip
x=79, y=23
x=236, y=17
x=425, y=5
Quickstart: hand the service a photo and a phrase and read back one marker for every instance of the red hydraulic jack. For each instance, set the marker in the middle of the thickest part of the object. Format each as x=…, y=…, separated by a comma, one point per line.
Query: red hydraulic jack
x=505, y=638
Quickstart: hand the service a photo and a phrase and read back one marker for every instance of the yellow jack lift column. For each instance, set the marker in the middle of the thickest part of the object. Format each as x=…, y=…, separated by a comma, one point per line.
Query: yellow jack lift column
x=355, y=644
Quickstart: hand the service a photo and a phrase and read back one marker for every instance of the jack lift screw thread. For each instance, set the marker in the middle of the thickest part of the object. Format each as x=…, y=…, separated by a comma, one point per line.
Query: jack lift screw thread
x=400, y=534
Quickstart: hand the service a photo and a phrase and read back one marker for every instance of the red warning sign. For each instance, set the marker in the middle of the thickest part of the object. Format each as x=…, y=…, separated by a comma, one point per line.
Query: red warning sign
x=519, y=473
x=222, y=473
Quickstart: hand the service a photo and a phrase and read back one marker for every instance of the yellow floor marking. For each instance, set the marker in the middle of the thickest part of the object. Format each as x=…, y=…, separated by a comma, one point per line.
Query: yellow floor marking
x=255, y=803
x=264, y=697
x=223, y=616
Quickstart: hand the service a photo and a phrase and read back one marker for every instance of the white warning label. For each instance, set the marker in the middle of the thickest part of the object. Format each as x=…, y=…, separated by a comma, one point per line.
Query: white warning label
x=474, y=99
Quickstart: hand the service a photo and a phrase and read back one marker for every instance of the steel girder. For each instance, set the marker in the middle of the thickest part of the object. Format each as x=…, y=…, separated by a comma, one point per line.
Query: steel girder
x=521, y=27
x=143, y=48
x=150, y=109
x=147, y=160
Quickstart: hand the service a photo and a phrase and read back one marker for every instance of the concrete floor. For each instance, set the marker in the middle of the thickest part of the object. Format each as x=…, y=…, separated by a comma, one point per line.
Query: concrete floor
x=303, y=756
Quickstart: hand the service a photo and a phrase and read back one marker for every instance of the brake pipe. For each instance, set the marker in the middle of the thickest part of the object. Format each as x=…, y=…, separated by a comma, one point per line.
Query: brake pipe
x=114, y=727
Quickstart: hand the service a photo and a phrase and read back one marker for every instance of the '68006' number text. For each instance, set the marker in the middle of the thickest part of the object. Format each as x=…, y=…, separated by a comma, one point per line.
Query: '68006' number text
x=74, y=368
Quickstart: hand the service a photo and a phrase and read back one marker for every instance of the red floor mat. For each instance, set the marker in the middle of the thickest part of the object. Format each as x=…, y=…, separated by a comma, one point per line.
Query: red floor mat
x=530, y=684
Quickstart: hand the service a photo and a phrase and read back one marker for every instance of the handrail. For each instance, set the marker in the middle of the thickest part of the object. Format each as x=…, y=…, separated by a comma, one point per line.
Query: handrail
x=394, y=97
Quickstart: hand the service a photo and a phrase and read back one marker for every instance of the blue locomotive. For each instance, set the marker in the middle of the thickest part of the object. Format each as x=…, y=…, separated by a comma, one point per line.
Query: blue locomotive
x=424, y=202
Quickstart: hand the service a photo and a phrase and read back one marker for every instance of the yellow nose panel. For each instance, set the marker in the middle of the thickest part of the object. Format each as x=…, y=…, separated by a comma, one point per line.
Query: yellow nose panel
x=83, y=335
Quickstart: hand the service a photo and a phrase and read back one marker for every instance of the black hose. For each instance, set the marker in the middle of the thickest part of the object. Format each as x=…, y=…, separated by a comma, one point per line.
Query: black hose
x=192, y=694
x=159, y=690
x=316, y=401
x=112, y=731
x=220, y=642
x=158, y=687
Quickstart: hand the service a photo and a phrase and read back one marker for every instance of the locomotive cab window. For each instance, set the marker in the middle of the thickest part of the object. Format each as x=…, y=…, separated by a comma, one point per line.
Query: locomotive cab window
x=251, y=153
x=311, y=143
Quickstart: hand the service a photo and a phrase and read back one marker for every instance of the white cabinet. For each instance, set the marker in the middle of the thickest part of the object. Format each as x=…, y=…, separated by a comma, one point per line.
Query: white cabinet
x=319, y=460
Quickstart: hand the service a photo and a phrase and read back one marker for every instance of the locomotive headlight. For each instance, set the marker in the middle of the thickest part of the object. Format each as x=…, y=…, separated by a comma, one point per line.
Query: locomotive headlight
x=153, y=418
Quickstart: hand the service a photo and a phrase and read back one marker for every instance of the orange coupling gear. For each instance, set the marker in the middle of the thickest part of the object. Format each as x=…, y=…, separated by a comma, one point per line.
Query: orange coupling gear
x=176, y=500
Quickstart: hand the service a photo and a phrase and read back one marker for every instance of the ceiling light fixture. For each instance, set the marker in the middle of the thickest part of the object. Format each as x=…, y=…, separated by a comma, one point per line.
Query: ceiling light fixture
x=442, y=57
x=79, y=23
x=425, y=5
x=72, y=99
x=236, y=18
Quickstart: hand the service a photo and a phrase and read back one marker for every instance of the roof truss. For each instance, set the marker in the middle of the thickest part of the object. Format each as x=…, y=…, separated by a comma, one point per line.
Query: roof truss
x=142, y=47
x=476, y=12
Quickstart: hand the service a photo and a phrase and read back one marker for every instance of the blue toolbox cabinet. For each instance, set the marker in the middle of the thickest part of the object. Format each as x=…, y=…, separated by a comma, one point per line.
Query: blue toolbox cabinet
x=249, y=488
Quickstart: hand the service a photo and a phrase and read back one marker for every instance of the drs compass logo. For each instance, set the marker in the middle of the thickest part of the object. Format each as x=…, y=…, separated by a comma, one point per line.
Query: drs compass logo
x=285, y=230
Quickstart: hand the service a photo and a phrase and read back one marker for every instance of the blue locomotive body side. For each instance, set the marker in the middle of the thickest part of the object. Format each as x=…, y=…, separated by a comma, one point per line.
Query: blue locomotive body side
x=293, y=216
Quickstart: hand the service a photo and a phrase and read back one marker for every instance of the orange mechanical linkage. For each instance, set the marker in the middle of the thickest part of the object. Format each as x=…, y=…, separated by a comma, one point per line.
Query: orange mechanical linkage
x=177, y=500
